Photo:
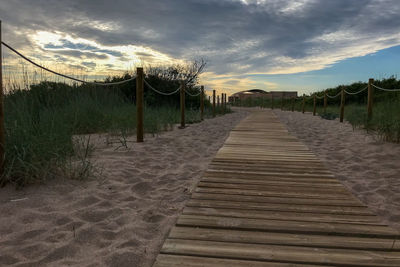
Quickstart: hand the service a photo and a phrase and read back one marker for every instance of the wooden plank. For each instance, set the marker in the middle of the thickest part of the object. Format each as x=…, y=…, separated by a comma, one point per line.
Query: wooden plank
x=257, y=237
x=275, y=174
x=276, y=182
x=299, y=190
x=251, y=205
x=277, y=193
x=282, y=226
x=284, y=215
x=276, y=253
x=167, y=260
x=281, y=200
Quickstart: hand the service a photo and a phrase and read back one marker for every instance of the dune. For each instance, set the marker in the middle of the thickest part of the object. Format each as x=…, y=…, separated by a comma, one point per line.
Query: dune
x=367, y=166
x=121, y=217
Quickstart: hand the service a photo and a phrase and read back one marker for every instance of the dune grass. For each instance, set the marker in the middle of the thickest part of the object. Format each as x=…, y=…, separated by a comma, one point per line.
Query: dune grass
x=40, y=123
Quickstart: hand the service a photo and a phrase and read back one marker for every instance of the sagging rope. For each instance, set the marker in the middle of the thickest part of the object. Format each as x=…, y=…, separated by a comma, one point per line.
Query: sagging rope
x=319, y=97
x=386, y=90
x=193, y=94
x=355, y=93
x=334, y=95
x=159, y=92
x=63, y=75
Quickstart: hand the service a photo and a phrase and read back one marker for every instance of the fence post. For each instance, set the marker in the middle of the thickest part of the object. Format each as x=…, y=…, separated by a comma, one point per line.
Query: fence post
x=370, y=98
x=139, y=105
x=325, y=101
x=304, y=103
x=202, y=103
x=293, y=100
x=226, y=100
x=209, y=99
x=315, y=105
x=2, y=127
x=213, y=103
x=282, y=101
x=272, y=101
x=183, y=104
x=223, y=102
x=217, y=101
x=342, y=105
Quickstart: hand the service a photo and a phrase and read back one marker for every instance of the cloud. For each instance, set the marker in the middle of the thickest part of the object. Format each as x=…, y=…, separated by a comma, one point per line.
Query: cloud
x=237, y=37
x=89, y=64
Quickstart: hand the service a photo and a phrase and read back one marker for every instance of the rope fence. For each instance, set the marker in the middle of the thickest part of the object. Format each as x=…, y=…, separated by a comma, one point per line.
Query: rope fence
x=334, y=95
x=343, y=92
x=356, y=93
x=64, y=75
x=159, y=92
x=140, y=82
x=386, y=90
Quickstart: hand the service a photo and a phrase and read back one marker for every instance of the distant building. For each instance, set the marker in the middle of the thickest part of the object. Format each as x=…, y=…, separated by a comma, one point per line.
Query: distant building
x=258, y=93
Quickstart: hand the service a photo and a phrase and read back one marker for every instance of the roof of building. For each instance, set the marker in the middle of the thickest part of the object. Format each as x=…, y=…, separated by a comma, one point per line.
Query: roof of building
x=251, y=91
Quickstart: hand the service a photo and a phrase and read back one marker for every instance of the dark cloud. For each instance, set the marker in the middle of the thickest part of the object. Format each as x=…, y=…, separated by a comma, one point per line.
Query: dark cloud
x=89, y=64
x=143, y=54
x=80, y=54
x=233, y=36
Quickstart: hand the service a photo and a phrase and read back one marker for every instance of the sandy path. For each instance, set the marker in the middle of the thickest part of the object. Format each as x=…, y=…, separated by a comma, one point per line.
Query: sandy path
x=368, y=167
x=120, y=219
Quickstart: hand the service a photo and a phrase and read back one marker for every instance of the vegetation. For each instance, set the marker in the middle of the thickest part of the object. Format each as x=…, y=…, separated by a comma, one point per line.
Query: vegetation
x=385, y=121
x=40, y=123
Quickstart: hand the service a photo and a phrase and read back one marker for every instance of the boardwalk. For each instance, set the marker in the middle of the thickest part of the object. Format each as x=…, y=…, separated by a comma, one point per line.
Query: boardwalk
x=266, y=200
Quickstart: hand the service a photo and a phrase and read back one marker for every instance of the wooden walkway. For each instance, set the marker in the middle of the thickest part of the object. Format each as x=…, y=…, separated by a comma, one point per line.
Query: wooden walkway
x=266, y=200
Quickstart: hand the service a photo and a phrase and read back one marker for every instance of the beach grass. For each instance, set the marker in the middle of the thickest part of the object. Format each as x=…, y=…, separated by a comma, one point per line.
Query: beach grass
x=41, y=122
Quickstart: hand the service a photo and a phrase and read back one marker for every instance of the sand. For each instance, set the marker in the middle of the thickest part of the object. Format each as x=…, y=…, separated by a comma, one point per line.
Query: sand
x=121, y=217
x=367, y=166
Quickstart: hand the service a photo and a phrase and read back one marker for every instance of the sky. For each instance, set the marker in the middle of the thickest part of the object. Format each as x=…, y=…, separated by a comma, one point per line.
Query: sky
x=274, y=45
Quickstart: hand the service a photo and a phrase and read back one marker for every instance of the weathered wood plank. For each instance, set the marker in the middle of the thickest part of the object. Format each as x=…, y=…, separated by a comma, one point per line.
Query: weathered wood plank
x=169, y=260
x=277, y=253
x=257, y=237
x=279, y=226
x=251, y=205
x=283, y=215
x=280, y=200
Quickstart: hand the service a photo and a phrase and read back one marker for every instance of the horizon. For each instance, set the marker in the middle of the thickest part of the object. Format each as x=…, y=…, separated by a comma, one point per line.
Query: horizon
x=302, y=46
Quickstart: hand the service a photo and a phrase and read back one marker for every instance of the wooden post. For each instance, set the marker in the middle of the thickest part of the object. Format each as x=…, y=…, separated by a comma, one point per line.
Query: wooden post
x=226, y=100
x=342, y=105
x=282, y=101
x=139, y=105
x=304, y=103
x=213, y=103
x=315, y=105
x=293, y=100
x=2, y=127
x=272, y=101
x=209, y=99
x=325, y=101
x=183, y=104
x=202, y=103
x=223, y=102
x=370, y=98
